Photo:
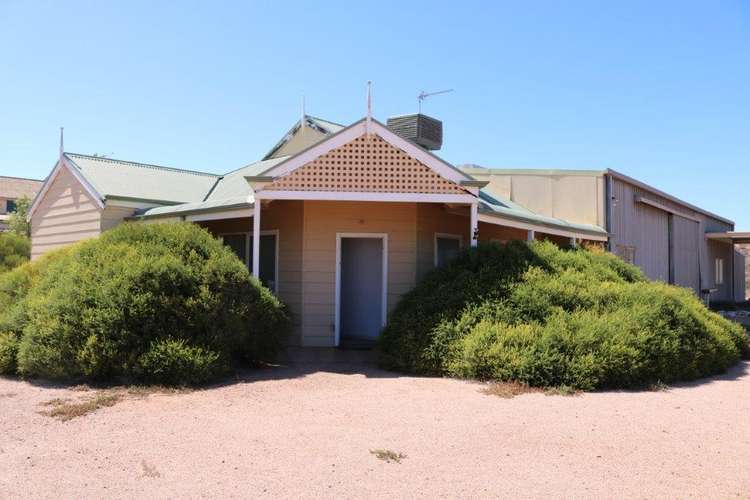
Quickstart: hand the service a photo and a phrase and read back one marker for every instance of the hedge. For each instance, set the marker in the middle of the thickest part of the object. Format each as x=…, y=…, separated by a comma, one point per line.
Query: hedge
x=544, y=316
x=164, y=303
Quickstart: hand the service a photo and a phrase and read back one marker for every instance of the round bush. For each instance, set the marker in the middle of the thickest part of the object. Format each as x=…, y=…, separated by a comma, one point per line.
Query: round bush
x=543, y=316
x=137, y=296
x=8, y=352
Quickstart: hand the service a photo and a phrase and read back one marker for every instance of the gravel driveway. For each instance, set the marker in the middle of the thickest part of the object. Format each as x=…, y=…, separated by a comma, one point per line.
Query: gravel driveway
x=308, y=431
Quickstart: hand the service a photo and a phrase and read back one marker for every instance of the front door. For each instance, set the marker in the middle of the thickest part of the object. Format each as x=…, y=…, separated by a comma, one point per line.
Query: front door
x=361, y=284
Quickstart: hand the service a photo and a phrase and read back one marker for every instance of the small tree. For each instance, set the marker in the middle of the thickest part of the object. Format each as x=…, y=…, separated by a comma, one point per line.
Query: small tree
x=17, y=222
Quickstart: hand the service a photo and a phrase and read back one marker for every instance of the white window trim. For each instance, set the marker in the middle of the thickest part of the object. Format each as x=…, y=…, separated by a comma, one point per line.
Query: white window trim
x=718, y=271
x=445, y=236
x=384, y=299
x=249, y=241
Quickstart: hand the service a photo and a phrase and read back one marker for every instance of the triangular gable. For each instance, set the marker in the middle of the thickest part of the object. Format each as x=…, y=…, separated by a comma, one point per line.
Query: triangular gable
x=367, y=158
x=64, y=163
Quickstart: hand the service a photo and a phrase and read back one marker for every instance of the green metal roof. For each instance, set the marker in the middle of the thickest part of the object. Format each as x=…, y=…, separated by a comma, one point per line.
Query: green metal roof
x=127, y=179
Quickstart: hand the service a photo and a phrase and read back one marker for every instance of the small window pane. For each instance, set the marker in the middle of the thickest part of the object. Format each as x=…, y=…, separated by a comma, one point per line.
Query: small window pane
x=10, y=206
x=719, y=272
x=267, y=260
x=447, y=250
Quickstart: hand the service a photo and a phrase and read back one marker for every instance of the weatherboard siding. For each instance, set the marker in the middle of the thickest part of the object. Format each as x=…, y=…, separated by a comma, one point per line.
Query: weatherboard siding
x=322, y=220
x=66, y=214
x=434, y=218
x=113, y=216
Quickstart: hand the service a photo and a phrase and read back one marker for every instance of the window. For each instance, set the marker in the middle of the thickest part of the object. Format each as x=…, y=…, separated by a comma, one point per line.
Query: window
x=719, y=271
x=242, y=245
x=10, y=206
x=447, y=247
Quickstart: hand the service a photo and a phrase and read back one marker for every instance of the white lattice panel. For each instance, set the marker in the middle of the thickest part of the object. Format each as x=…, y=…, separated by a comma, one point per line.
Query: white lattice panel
x=366, y=164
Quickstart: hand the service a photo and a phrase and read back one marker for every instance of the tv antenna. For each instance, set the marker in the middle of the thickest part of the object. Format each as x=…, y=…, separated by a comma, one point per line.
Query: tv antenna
x=424, y=95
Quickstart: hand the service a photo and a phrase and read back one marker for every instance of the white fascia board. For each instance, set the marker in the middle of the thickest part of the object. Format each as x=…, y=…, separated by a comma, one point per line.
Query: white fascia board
x=226, y=214
x=359, y=196
x=499, y=221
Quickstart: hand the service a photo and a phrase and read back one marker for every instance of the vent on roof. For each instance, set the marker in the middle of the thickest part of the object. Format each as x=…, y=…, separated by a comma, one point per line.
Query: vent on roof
x=419, y=129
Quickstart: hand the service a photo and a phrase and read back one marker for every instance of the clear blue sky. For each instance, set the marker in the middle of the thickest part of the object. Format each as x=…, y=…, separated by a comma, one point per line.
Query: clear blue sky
x=657, y=90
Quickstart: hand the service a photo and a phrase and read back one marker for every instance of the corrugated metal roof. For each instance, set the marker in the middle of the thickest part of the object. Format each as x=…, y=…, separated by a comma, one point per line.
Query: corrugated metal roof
x=126, y=179
x=201, y=206
x=233, y=184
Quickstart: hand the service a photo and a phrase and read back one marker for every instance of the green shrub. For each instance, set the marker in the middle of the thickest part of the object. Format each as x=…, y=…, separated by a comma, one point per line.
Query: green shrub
x=14, y=250
x=548, y=317
x=174, y=362
x=8, y=352
x=94, y=310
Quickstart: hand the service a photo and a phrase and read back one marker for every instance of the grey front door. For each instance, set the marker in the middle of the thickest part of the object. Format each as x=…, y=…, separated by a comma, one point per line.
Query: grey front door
x=361, y=287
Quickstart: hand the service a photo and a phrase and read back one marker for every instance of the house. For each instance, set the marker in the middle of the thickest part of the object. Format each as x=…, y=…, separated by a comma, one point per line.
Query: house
x=13, y=189
x=339, y=221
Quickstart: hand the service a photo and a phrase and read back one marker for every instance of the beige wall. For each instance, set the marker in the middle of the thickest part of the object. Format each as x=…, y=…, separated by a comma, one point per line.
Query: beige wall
x=573, y=197
x=435, y=218
x=113, y=216
x=322, y=220
x=299, y=141
x=66, y=214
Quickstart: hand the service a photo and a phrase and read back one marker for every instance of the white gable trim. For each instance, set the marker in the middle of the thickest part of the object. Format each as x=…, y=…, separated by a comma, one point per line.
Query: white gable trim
x=358, y=129
x=63, y=163
x=366, y=196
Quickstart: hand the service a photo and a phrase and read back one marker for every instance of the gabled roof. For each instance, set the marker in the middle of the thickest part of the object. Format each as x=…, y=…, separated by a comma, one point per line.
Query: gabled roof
x=325, y=127
x=140, y=181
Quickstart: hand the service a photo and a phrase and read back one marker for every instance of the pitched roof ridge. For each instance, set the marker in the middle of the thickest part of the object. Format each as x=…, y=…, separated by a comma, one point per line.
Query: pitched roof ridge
x=143, y=165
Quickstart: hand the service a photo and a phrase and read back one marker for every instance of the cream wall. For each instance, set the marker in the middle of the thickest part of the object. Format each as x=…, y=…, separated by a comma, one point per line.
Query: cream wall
x=575, y=197
x=299, y=141
x=435, y=218
x=322, y=220
x=66, y=214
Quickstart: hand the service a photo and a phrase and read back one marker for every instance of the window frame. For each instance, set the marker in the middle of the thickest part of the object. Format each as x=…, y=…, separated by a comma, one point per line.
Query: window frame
x=248, y=248
x=445, y=236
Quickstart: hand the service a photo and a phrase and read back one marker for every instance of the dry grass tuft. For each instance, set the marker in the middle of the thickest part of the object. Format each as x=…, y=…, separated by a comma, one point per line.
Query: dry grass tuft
x=64, y=409
x=388, y=455
x=562, y=390
x=659, y=386
x=509, y=390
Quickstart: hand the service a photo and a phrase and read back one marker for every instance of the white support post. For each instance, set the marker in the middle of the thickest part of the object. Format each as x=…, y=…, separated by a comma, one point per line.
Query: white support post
x=474, y=234
x=256, y=239
x=573, y=242
x=530, y=235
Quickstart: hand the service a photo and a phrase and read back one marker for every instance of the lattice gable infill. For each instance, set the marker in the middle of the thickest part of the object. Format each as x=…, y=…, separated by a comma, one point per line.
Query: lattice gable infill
x=366, y=164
